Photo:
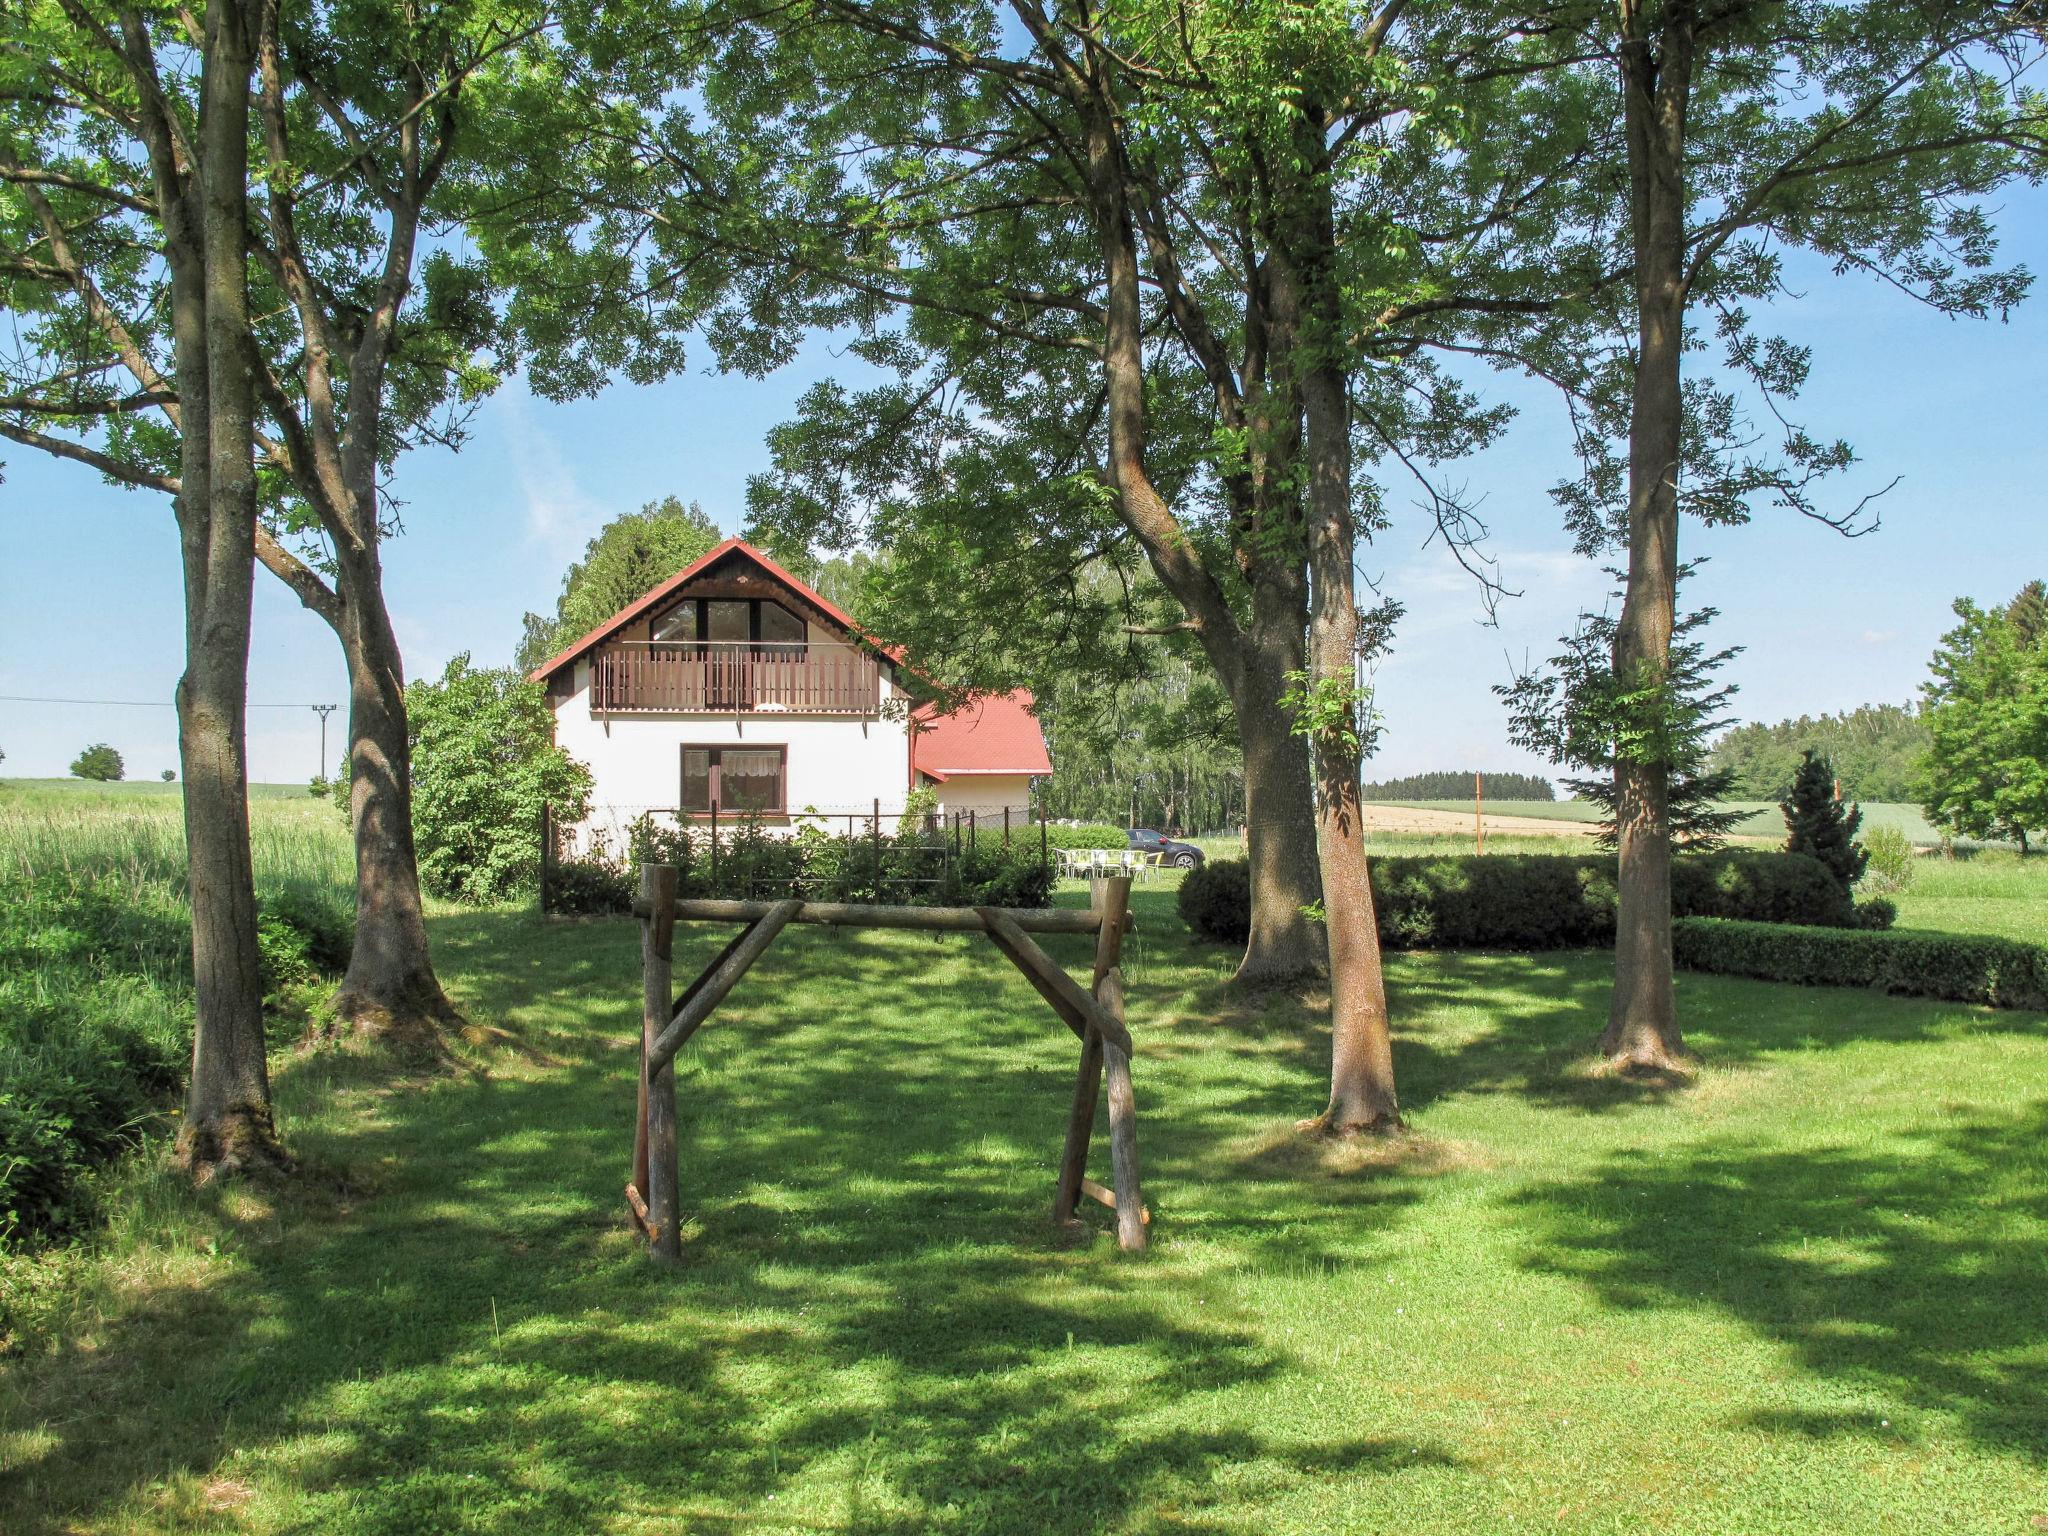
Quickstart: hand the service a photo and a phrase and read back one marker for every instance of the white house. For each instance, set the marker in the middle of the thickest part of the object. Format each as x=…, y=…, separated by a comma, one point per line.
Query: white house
x=734, y=685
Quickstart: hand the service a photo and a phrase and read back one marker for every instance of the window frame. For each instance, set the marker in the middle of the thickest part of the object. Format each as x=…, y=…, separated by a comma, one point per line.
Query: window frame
x=715, y=779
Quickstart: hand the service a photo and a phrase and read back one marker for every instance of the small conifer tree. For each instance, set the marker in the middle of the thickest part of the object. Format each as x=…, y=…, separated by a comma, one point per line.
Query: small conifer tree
x=1821, y=825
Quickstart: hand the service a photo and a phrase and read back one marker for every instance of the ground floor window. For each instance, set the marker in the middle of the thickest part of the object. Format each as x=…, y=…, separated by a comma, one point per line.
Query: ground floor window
x=743, y=780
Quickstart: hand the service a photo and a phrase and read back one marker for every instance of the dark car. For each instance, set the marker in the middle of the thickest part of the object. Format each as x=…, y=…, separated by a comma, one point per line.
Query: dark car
x=1179, y=855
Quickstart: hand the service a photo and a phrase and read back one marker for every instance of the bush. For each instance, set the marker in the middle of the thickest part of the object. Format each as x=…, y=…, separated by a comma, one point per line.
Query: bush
x=1095, y=835
x=95, y=1032
x=484, y=762
x=1534, y=901
x=1215, y=900
x=2000, y=973
x=1889, y=856
x=753, y=863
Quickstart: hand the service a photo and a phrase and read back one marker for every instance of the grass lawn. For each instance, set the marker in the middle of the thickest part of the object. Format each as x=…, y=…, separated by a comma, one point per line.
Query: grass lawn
x=1764, y=819
x=1808, y=1293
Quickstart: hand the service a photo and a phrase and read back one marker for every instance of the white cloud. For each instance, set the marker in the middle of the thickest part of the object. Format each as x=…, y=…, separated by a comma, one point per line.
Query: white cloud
x=1879, y=636
x=559, y=514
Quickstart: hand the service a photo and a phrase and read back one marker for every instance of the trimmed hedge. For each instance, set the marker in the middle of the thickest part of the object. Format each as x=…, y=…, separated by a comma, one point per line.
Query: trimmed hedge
x=1962, y=968
x=1537, y=900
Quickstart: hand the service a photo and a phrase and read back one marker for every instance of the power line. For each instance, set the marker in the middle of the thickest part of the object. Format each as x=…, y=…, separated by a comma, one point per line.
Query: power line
x=23, y=698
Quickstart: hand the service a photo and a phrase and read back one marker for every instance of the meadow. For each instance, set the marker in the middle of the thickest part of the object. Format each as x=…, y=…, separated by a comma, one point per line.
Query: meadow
x=1806, y=1292
x=1762, y=818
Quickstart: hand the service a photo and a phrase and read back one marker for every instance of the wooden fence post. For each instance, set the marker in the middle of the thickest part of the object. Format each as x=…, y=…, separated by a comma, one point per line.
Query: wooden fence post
x=714, y=841
x=1006, y=829
x=875, y=831
x=547, y=853
x=657, y=960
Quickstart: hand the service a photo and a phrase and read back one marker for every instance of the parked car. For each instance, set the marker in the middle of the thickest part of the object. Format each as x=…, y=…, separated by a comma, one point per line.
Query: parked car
x=1179, y=855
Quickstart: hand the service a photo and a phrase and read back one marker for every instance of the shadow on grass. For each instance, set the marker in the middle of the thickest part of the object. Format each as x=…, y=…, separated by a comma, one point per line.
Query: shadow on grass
x=875, y=1324
x=1863, y=1262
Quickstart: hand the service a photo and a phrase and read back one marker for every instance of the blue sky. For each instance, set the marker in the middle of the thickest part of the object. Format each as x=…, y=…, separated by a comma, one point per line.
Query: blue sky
x=89, y=599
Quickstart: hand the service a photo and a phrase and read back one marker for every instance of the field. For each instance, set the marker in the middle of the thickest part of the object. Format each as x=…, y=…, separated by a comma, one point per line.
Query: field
x=1764, y=820
x=1808, y=1292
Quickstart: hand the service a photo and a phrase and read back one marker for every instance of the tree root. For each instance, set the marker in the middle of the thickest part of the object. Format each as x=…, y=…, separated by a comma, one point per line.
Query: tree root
x=412, y=1025
x=240, y=1142
x=1331, y=1126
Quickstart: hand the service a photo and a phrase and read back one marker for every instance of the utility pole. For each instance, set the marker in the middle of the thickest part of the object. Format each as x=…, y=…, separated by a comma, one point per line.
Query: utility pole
x=323, y=711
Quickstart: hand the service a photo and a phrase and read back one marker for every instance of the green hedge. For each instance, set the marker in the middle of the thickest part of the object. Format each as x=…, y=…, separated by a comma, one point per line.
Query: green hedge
x=910, y=868
x=1536, y=900
x=1963, y=968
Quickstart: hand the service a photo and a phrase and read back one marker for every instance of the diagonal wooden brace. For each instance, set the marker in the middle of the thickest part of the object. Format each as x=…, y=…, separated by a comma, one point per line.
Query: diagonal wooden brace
x=1067, y=996
x=719, y=978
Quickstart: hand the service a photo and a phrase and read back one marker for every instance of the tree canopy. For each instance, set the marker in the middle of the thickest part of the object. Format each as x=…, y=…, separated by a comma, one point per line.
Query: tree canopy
x=1986, y=770
x=630, y=556
x=1875, y=750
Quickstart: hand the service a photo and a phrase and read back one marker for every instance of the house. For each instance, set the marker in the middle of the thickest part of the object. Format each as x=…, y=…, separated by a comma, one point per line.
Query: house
x=733, y=685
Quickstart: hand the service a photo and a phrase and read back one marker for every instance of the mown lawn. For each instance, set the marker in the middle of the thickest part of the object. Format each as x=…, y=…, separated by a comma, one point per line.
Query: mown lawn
x=1807, y=1293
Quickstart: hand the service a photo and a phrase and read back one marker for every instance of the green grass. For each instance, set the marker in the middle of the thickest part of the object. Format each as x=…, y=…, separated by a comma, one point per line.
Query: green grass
x=1807, y=1293
x=1986, y=891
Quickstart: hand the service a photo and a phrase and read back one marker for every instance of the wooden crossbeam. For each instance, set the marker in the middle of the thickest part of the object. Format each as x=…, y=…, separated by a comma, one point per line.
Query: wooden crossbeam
x=719, y=978
x=844, y=914
x=1069, y=1000
x=1102, y=1196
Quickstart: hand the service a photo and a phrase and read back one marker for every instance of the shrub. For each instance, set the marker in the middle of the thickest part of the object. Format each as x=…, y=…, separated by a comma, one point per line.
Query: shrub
x=2002, y=973
x=484, y=762
x=95, y=1030
x=99, y=762
x=1878, y=912
x=1533, y=901
x=1094, y=835
x=1215, y=900
x=1890, y=860
x=753, y=862
x=1819, y=824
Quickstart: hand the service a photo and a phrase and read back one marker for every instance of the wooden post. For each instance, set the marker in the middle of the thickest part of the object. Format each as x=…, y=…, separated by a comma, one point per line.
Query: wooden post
x=1123, y=1124
x=1044, y=852
x=1006, y=829
x=972, y=834
x=1109, y=940
x=714, y=842
x=547, y=850
x=875, y=831
x=657, y=935
x=1478, y=815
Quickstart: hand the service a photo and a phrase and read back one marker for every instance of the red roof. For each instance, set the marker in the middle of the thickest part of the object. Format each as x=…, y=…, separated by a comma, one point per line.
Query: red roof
x=697, y=567
x=991, y=733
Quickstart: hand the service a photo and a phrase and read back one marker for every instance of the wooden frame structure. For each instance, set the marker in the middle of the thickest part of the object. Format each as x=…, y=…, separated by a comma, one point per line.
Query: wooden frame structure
x=1095, y=1014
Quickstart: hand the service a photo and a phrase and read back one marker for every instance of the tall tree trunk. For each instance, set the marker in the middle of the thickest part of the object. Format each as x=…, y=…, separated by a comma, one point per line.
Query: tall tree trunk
x=1285, y=944
x=1252, y=668
x=1362, y=1096
x=228, y=1123
x=1642, y=1027
x=390, y=990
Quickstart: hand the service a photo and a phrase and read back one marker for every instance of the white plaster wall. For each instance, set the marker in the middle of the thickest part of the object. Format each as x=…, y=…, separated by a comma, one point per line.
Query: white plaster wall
x=986, y=794
x=837, y=763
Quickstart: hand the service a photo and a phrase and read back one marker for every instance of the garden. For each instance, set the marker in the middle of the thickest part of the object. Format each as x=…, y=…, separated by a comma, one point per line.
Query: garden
x=1816, y=1266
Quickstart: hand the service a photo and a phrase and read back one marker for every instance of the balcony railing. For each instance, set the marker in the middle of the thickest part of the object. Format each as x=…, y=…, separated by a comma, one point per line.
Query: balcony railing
x=718, y=677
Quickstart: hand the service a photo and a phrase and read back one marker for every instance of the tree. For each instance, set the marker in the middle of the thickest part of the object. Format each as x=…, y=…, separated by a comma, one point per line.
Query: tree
x=369, y=124
x=169, y=775
x=485, y=763
x=1818, y=825
x=1875, y=750
x=1056, y=247
x=1906, y=119
x=631, y=555
x=76, y=86
x=99, y=762
x=1574, y=713
x=1986, y=770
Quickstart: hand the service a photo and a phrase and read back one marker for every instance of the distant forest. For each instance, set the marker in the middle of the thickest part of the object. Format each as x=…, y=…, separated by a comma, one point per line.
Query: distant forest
x=1458, y=786
x=1875, y=751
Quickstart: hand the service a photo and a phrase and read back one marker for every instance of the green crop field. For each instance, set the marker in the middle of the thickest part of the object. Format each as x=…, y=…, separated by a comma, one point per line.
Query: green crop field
x=1806, y=1293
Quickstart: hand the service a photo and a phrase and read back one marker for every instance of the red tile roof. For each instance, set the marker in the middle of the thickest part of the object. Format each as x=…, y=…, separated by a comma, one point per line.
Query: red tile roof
x=991, y=733
x=702, y=563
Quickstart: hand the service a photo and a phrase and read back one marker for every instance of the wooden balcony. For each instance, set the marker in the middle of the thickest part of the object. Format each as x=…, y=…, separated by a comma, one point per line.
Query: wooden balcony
x=720, y=678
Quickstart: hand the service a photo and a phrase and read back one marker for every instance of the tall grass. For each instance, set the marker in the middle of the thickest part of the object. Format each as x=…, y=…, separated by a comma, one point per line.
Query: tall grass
x=95, y=971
